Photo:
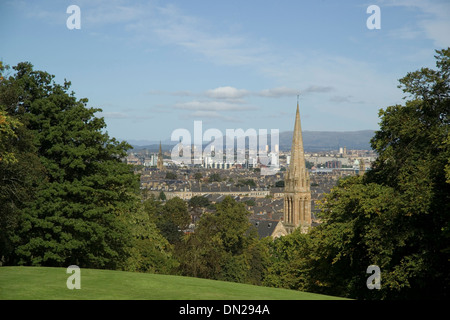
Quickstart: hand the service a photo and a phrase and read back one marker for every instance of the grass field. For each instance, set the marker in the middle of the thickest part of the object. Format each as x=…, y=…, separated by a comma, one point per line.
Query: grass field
x=31, y=283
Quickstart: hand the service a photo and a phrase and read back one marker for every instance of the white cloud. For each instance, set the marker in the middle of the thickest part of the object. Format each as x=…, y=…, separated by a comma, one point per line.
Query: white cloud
x=347, y=99
x=434, y=22
x=180, y=93
x=209, y=105
x=113, y=115
x=235, y=95
x=172, y=27
x=226, y=93
x=290, y=92
x=278, y=92
x=405, y=33
x=315, y=88
x=123, y=115
x=204, y=115
x=438, y=30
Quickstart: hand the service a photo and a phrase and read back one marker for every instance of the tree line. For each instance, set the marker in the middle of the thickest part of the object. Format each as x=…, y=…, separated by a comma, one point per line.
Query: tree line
x=66, y=197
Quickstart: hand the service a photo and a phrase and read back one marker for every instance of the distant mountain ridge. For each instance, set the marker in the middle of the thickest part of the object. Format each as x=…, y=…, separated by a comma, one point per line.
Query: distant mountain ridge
x=330, y=140
x=312, y=141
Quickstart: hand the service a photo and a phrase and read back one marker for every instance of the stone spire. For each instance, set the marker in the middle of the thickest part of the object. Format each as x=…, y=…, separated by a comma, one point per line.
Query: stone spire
x=297, y=194
x=160, y=164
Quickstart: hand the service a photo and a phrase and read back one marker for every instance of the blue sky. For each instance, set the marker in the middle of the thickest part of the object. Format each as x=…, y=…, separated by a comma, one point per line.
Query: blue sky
x=156, y=66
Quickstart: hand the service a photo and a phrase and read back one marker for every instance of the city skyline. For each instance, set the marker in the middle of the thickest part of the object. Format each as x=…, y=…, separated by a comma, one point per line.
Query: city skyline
x=155, y=66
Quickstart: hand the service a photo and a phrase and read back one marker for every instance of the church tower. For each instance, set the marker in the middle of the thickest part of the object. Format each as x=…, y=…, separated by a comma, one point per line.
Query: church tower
x=160, y=164
x=297, y=194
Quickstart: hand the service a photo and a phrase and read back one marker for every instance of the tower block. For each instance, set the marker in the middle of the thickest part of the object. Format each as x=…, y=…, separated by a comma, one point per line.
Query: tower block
x=297, y=193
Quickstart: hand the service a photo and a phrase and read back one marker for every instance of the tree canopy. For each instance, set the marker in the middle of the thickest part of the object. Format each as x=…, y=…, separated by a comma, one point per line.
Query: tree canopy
x=396, y=216
x=81, y=209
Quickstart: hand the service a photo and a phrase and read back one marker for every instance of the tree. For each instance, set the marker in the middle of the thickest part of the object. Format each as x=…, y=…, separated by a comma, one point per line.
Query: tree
x=7, y=132
x=198, y=176
x=246, y=182
x=79, y=212
x=395, y=216
x=250, y=202
x=288, y=267
x=224, y=246
x=21, y=172
x=279, y=184
x=150, y=251
x=414, y=157
x=198, y=201
x=20, y=168
x=171, y=175
x=361, y=227
x=215, y=177
x=172, y=218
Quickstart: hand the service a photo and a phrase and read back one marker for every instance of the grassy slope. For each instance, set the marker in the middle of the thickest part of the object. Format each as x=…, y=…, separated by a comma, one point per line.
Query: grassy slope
x=50, y=283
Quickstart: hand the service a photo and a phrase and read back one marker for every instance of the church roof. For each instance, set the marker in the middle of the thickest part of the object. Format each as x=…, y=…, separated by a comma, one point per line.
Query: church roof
x=265, y=228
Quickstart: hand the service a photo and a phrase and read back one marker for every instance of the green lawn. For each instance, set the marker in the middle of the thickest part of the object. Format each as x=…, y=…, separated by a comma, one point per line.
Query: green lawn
x=50, y=283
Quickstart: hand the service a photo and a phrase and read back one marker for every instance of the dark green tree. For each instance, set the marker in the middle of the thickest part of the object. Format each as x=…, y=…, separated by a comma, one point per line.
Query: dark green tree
x=198, y=176
x=198, y=201
x=171, y=218
x=224, y=246
x=279, y=184
x=396, y=216
x=150, y=251
x=414, y=159
x=171, y=175
x=214, y=177
x=289, y=262
x=80, y=211
x=20, y=168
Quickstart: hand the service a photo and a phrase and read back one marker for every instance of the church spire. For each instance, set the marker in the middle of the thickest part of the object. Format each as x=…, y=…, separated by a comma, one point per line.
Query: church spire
x=297, y=168
x=160, y=164
x=297, y=194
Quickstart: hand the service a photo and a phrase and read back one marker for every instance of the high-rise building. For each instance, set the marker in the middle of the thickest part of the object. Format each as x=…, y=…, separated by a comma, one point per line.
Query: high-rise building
x=297, y=194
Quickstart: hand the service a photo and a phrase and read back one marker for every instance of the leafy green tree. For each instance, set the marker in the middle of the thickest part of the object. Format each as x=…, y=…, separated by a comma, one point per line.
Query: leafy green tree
x=7, y=132
x=171, y=175
x=150, y=251
x=214, y=177
x=246, y=182
x=198, y=201
x=80, y=211
x=279, y=184
x=289, y=262
x=414, y=157
x=396, y=216
x=20, y=168
x=198, y=176
x=361, y=227
x=171, y=218
x=250, y=202
x=224, y=246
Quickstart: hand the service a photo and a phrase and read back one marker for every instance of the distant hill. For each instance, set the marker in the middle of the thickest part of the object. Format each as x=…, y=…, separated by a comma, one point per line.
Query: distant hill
x=329, y=140
x=312, y=141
